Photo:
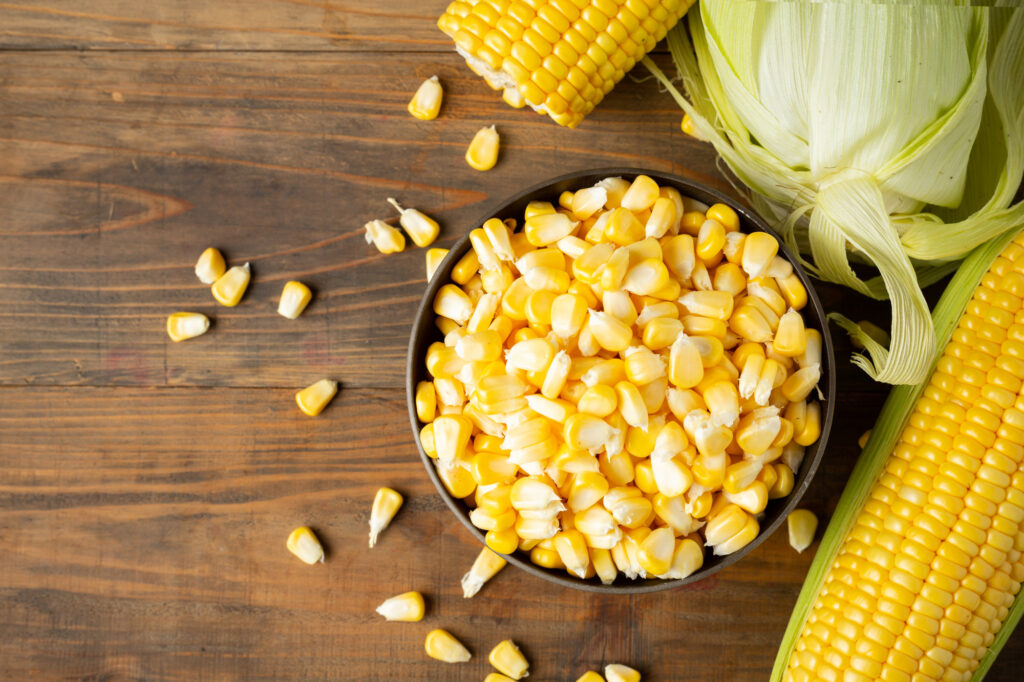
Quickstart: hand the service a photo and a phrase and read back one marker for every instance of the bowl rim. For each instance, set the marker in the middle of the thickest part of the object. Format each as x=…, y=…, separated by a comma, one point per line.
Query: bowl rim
x=423, y=328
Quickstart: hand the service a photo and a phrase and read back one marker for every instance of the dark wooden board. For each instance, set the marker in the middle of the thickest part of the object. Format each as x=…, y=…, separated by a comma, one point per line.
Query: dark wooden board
x=146, y=487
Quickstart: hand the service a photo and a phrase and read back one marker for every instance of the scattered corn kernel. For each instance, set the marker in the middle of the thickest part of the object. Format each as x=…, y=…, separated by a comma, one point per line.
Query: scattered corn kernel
x=303, y=543
x=386, y=238
x=802, y=523
x=434, y=258
x=422, y=228
x=181, y=326
x=485, y=567
x=210, y=266
x=444, y=647
x=314, y=398
x=509, y=660
x=230, y=287
x=483, y=149
x=295, y=296
x=426, y=103
x=407, y=607
x=616, y=672
x=386, y=504
x=590, y=676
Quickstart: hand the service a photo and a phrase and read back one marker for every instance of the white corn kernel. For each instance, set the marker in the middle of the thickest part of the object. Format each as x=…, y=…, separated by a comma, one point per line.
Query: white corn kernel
x=294, y=298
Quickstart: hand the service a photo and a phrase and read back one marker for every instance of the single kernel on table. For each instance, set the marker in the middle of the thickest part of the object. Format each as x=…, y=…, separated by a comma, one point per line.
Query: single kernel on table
x=485, y=567
x=181, y=326
x=422, y=228
x=210, y=266
x=509, y=660
x=386, y=504
x=386, y=238
x=444, y=647
x=497, y=677
x=802, y=523
x=314, y=398
x=426, y=103
x=295, y=296
x=616, y=672
x=407, y=607
x=590, y=676
x=483, y=150
x=302, y=542
x=230, y=287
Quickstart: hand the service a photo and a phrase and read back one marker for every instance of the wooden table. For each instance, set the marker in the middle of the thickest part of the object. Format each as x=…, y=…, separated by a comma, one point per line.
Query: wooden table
x=146, y=487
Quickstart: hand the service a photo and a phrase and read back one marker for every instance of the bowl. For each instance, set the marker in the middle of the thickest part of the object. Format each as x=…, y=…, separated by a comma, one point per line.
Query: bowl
x=425, y=332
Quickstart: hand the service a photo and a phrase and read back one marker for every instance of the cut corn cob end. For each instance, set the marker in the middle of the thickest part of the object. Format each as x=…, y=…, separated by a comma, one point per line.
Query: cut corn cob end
x=485, y=567
x=441, y=645
x=802, y=524
x=407, y=607
x=303, y=543
x=210, y=266
x=181, y=326
x=386, y=504
x=295, y=296
x=314, y=398
x=509, y=660
x=384, y=237
x=616, y=672
x=426, y=103
x=229, y=288
x=483, y=149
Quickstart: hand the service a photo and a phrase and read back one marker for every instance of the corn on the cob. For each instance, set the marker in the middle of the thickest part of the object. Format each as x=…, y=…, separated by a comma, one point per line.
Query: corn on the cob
x=426, y=103
x=482, y=153
x=407, y=607
x=295, y=296
x=386, y=504
x=442, y=646
x=560, y=58
x=229, y=288
x=485, y=566
x=303, y=543
x=918, y=571
x=210, y=266
x=509, y=660
x=550, y=409
x=314, y=398
x=181, y=326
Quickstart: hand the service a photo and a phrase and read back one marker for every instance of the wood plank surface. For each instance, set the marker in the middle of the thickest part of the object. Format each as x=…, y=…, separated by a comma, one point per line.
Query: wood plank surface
x=146, y=487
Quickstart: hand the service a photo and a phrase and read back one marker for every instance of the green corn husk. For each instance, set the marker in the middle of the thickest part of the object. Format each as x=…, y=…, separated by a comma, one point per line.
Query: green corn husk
x=890, y=134
x=886, y=432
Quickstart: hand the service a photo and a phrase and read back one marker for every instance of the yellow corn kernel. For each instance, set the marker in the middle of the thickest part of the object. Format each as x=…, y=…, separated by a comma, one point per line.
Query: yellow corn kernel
x=314, y=398
x=230, y=287
x=485, y=567
x=783, y=484
x=655, y=552
x=507, y=658
x=793, y=291
x=661, y=332
x=616, y=672
x=710, y=240
x=641, y=194
x=444, y=647
x=790, y=338
x=422, y=228
x=599, y=400
x=610, y=332
x=548, y=228
x=502, y=541
x=800, y=384
x=426, y=103
x=725, y=215
x=210, y=266
x=407, y=607
x=386, y=504
x=714, y=304
x=427, y=441
x=801, y=523
x=303, y=543
x=483, y=149
x=181, y=326
x=452, y=302
x=590, y=676
x=294, y=298
x=692, y=221
x=759, y=249
x=572, y=550
x=384, y=237
x=663, y=218
x=451, y=436
x=685, y=369
x=646, y=278
x=466, y=268
x=623, y=228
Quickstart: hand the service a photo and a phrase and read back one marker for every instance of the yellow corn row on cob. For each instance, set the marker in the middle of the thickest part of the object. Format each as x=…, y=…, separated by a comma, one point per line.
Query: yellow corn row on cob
x=921, y=578
x=560, y=57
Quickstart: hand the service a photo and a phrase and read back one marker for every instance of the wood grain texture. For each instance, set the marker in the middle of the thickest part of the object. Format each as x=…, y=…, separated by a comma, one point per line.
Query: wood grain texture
x=146, y=487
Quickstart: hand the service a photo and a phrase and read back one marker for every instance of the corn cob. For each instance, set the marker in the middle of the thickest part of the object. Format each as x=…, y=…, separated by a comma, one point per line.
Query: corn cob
x=560, y=57
x=917, y=575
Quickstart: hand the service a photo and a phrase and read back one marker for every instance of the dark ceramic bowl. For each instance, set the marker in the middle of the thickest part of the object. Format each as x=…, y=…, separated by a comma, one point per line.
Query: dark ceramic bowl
x=425, y=332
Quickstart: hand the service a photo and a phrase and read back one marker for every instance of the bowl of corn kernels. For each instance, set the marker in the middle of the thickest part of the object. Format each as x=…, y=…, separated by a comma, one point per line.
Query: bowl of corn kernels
x=620, y=380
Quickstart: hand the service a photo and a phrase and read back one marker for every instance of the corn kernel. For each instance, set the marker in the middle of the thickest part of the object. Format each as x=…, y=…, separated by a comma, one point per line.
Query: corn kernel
x=426, y=103
x=483, y=149
x=210, y=266
x=181, y=326
x=386, y=504
x=485, y=567
x=616, y=672
x=295, y=296
x=384, y=237
x=509, y=660
x=303, y=543
x=230, y=287
x=801, y=523
x=407, y=607
x=422, y=228
x=314, y=398
x=442, y=646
